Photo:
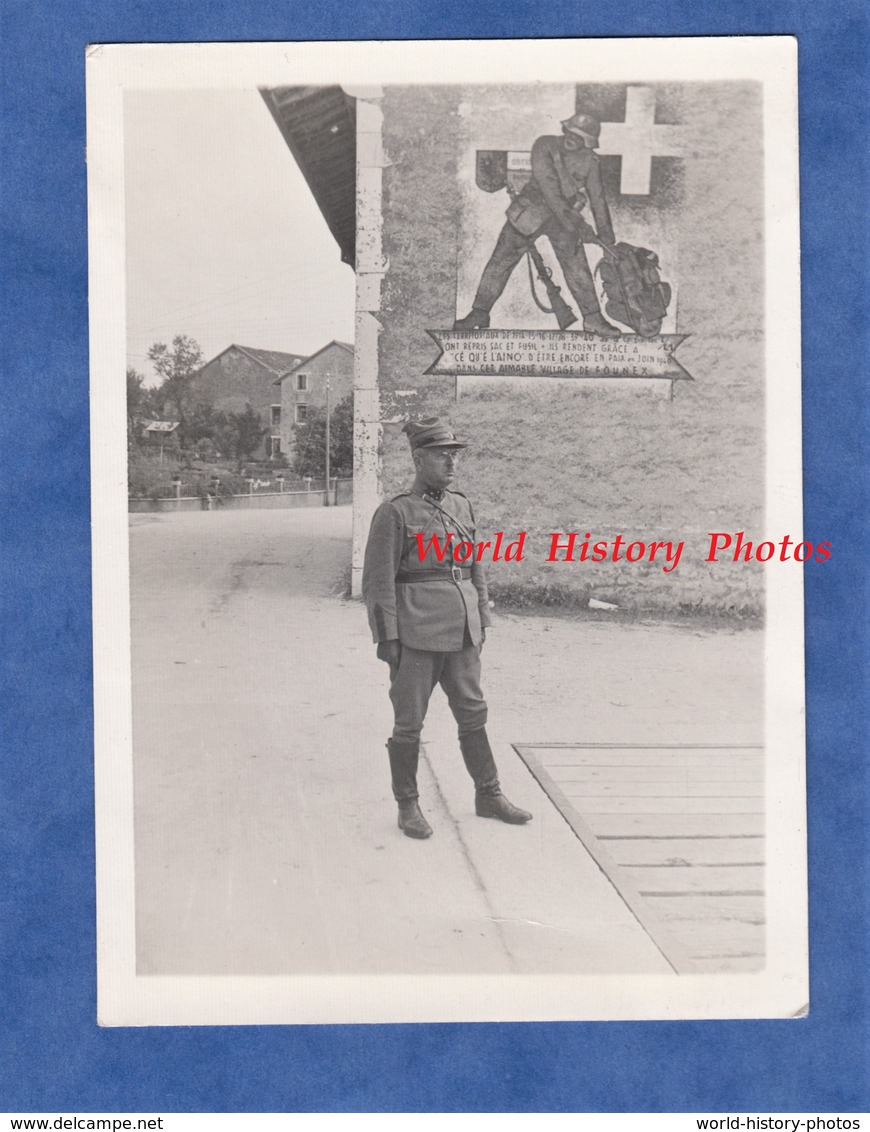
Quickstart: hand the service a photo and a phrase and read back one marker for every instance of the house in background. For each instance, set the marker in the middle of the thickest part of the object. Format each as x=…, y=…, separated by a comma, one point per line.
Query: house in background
x=160, y=436
x=241, y=376
x=303, y=388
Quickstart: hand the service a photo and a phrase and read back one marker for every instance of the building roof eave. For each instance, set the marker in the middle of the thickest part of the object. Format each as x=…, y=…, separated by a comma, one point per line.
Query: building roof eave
x=318, y=123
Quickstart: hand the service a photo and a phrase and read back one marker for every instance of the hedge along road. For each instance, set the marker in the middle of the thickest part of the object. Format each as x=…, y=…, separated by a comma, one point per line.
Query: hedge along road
x=265, y=830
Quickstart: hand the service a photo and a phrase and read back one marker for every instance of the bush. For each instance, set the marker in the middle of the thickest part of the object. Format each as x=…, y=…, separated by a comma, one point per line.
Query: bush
x=147, y=477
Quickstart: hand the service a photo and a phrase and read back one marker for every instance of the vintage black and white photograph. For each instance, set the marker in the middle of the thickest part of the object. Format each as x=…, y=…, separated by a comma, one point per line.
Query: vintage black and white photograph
x=447, y=531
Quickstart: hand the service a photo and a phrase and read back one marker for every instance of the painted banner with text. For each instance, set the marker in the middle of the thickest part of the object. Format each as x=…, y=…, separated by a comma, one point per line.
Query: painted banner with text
x=556, y=353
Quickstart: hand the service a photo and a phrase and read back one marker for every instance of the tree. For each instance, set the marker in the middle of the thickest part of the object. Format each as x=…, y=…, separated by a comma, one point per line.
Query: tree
x=177, y=367
x=243, y=433
x=309, y=441
x=205, y=422
x=140, y=404
x=135, y=390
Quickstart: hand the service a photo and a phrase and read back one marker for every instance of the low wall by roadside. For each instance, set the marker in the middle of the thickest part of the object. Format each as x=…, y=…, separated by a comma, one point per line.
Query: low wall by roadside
x=341, y=493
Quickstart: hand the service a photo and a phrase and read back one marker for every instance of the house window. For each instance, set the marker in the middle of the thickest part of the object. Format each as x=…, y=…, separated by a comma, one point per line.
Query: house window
x=301, y=414
x=276, y=416
x=302, y=383
x=274, y=445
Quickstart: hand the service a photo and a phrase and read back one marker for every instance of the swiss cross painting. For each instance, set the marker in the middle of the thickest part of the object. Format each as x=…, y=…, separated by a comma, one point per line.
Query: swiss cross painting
x=556, y=189
x=619, y=153
x=566, y=299
x=577, y=224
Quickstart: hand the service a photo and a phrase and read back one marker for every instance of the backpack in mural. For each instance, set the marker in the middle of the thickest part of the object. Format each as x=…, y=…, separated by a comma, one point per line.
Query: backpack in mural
x=634, y=291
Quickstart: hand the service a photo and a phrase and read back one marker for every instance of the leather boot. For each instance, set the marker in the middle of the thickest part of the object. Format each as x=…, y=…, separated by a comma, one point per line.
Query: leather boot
x=489, y=802
x=597, y=324
x=404, y=755
x=477, y=319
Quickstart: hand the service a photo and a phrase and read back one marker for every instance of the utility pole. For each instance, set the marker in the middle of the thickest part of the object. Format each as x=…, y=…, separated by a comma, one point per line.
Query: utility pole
x=327, y=442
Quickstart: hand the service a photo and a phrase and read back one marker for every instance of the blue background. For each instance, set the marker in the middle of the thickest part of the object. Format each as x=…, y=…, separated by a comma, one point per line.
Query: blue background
x=54, y=1055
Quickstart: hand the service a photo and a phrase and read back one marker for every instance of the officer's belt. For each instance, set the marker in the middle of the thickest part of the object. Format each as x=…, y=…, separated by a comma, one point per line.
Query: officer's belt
x=456, y=573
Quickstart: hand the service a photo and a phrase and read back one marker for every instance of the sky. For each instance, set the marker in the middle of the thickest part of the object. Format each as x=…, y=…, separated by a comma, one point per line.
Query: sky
x=224, y=240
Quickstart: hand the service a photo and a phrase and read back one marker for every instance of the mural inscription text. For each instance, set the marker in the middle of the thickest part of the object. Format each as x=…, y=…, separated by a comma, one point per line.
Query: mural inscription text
x=556, y=353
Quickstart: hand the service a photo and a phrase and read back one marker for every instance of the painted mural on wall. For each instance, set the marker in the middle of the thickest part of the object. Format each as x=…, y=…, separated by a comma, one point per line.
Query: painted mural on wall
x=596, y=303
x=573, y=428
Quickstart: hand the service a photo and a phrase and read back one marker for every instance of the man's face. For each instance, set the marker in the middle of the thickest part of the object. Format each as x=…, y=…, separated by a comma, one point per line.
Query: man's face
x=572, y=141
x=436, y=466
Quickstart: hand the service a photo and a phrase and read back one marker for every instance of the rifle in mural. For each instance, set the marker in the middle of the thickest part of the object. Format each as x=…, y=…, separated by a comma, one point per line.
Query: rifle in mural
x=564, y=314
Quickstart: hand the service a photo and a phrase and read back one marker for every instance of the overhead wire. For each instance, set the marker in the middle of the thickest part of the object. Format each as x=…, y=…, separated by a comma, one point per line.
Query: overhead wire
x=232, y=295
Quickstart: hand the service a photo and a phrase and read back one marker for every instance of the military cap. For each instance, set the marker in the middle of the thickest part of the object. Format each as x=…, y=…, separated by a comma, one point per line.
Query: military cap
x=431, y=433
x=585, y=125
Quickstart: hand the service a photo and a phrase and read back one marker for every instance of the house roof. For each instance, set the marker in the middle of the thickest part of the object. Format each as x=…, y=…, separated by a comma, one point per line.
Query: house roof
x=318, y=124
x=274, y=360
x=305, y=361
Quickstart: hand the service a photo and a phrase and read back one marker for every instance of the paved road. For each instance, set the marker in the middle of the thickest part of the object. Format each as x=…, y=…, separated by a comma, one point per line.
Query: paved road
x=265, y=827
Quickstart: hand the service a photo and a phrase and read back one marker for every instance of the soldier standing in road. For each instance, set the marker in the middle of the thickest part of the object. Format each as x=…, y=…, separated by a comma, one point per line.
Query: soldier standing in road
x=565, y=174
x=429, y=621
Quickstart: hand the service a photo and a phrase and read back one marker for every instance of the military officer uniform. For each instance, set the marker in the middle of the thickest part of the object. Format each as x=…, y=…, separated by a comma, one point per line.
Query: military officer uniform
x=428, y=618
x=562, y=180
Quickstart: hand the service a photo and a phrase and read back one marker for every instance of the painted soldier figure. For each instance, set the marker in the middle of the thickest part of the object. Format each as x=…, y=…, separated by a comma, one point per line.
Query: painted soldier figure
x=565, y=175
x=429, y=620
